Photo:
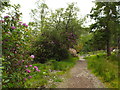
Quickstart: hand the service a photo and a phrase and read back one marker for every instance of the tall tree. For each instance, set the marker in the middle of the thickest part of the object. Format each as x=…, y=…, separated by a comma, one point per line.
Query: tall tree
x=60, y=32
x=3, y=4
x=106, y=16
x=39, y=14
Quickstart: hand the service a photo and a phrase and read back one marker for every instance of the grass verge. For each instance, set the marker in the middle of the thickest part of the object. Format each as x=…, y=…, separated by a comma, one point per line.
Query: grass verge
x=50, y=73
x=105, y=67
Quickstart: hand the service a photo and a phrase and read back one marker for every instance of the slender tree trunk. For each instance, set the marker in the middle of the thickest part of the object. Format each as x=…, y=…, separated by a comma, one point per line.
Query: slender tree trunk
x=108, y=41
x=119, y=46
x=108, y=48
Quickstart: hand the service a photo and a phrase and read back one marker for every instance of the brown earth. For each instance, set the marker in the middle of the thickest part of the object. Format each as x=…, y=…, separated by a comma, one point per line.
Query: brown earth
x=80, y=77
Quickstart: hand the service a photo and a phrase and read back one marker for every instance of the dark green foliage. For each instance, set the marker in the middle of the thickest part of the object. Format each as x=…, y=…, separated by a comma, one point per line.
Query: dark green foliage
x=16, y=45
x=106, y=16
x=47, y=49
x=99, y=40
x=65, y=64
x=3, y=4
x=60, y=32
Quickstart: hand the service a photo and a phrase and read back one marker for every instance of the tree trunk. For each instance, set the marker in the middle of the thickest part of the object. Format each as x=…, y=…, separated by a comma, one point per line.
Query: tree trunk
x=119, y=46
x=108, y=48
x=108, y=41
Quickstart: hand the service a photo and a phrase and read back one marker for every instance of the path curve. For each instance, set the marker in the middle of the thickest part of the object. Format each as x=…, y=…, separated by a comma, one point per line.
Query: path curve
x=81, y=77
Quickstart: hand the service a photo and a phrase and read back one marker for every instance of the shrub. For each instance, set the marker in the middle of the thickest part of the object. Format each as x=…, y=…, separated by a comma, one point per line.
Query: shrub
x=16, y=45
x=47, y=48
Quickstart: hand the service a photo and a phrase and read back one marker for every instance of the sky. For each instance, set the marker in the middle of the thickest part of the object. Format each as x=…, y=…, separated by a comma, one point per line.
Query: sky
x=26, y=5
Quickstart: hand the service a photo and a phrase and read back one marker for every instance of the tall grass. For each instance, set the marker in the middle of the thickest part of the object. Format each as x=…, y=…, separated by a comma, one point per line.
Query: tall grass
x=65, y=64
x=105, y=67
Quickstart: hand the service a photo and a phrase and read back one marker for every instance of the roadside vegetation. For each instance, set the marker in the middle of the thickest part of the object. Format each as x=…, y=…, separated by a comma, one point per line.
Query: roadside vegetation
x=106, y=68
x=36, y=54
x=50, y=73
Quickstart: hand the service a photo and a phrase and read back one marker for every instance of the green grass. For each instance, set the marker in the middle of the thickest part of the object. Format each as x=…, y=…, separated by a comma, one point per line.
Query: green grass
x=65, y=64
x=50, y=72
x=105, y=67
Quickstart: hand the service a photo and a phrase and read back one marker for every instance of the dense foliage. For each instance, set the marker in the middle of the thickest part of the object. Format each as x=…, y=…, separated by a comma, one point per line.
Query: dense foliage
x=59, y=33
x=22, y=45
x=16, y=46
x=38, y=52
x=106, y=27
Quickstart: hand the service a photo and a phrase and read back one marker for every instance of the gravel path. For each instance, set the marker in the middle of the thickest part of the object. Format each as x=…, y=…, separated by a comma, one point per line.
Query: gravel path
x=81, y=77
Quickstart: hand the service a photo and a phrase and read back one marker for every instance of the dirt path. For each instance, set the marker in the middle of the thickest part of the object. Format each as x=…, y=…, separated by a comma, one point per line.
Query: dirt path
x=80, y=77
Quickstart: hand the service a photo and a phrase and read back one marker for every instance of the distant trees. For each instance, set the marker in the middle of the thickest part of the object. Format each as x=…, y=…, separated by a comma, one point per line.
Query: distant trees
x=3, y=4
x=40, y=14
x=59, y=31
x=106, y=28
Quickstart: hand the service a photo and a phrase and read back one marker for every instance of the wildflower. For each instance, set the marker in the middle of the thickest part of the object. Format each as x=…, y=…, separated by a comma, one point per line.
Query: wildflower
x=17, y=45
x=38, y=70
x=9, y=32
x=12, y=27
x=73, y=41
x=15, y=19
x=19, y=61
x=0, y=42
x=30, y=77
x=6, y=16
x=2, y=21
x=13, y=49
x=74, y=35
x=22, y=60
x=26, y=25
x=15, y=52
x=36, y=67
x=25, y=79
x=52, y=42
x=32, y=56
x=20, y=22
x=28, y=71
x=26, y=66
x=30, y=65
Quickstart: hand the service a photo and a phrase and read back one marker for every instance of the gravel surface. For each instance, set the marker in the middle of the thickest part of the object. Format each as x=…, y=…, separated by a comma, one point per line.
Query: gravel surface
x=81, y=77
